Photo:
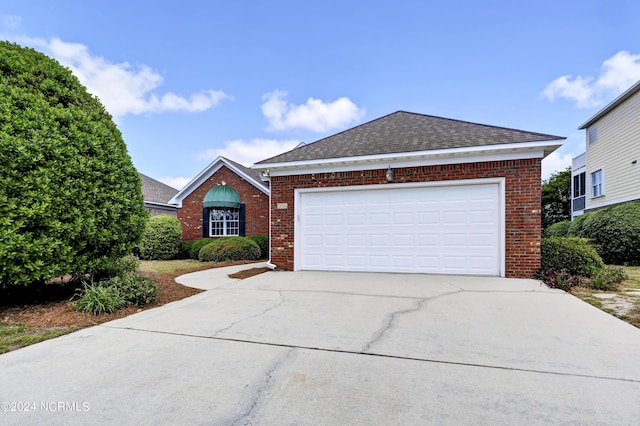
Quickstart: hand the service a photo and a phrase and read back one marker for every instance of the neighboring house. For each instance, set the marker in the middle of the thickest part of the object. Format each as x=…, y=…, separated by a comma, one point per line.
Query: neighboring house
x=411, y=193
x=225, y=199
x=610, y=172
x=156, y=197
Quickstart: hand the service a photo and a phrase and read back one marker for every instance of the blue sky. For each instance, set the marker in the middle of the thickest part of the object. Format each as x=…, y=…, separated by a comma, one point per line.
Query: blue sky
x=188, y=81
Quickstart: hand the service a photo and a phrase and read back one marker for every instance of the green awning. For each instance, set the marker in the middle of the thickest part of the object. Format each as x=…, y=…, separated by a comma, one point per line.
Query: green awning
x=222, y=196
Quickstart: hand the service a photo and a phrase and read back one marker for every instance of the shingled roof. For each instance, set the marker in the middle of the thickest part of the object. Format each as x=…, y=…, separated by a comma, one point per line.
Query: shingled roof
x=255, y=174
x=156, y=191
x=402, y=132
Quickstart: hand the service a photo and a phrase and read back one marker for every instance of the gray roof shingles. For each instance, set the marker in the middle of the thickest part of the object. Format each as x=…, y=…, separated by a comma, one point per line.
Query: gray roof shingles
x=155, y=191
x=254, y=174
x=402, y=132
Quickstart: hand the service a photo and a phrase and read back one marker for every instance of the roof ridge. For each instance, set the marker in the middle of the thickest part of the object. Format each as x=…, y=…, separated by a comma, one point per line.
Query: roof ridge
x=309, y=144
x=475, y=123
x=403, y=131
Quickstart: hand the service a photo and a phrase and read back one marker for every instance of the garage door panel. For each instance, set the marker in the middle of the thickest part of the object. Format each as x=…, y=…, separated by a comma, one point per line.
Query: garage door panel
x=403, y=241
x=449, y=229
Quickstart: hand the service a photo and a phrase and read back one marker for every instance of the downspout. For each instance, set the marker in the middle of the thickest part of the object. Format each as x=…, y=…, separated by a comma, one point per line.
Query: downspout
x=270, y=265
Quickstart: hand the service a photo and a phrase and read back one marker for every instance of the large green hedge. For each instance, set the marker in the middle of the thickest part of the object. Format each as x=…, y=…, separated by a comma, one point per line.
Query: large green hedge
x=614, y=231
x=570, y=254
x=162, y=238
x=558, y=229
x=70, y=198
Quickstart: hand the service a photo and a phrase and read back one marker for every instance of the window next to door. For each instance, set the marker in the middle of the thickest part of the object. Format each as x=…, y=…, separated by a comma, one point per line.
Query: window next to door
x=597, y=183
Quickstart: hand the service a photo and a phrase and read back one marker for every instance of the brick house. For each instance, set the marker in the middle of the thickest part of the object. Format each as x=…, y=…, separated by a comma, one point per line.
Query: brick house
x=411, y=193
x=225, y=199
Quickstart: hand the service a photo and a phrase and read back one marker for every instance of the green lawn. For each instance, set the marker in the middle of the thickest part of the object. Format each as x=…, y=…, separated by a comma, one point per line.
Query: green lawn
x=172, y=266
x=14, y=336
x=634, y=277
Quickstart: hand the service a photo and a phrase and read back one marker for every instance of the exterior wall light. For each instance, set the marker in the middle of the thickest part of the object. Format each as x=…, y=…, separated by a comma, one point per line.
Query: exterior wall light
x=389, y=174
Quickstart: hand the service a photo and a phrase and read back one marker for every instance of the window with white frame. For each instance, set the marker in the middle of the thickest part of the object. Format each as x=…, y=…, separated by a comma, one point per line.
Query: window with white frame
x=224, y=222
x=597, y=180
x=579, y=185
x=592, y=135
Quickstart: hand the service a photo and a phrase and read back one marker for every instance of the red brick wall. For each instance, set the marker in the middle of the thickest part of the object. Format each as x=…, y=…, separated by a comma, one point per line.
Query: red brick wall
x=522, y=204
x=256, y=205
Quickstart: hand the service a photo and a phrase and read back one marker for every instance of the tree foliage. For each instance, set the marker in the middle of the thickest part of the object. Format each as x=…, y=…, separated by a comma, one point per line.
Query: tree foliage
x=70, y=198
x=556, y=198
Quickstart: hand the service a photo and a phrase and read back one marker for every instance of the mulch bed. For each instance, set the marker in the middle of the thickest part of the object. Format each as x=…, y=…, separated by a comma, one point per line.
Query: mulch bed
x=56, y=311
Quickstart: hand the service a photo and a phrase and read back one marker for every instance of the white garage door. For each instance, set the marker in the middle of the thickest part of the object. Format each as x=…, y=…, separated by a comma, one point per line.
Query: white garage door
x=453, y=229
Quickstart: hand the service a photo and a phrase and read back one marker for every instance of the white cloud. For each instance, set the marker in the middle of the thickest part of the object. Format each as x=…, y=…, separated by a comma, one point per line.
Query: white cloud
x=617, y=74
x=555, y=162
x=561, y=158
x=249, y=152
x=123, y=88
x=11, y=21
x=175, y=182
x=315, y=115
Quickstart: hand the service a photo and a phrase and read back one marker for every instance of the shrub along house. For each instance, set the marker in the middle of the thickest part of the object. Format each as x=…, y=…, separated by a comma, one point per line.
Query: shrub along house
x=411, y=193
x=225, y=199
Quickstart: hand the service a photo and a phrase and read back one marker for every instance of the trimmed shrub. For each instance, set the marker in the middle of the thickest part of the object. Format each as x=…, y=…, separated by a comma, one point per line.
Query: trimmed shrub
x=570, y=254
x=185, y=250
x=197, y=245
x=233, y=248
x=70, y=197
x=576, y=227
x=263, y=243
x=162, y=238
x=559, y=229
x=608, y=279
x=615, y=232
x=99, y=299
x=127, y=264
x=135, y=289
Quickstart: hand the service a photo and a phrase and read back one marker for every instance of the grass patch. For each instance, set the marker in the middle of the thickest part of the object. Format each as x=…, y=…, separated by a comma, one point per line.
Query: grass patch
x=634, y=277
x=171, y=266
x=594, y=302
x=15, y=336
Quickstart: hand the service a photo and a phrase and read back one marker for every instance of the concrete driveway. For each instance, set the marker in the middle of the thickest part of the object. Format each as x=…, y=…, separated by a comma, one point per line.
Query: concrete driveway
x=296, y=348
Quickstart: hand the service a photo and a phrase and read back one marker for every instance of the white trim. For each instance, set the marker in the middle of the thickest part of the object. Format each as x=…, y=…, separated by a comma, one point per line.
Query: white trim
x=207, y=172
x=613, y=203
x=462, y=182
x=524, y=149
x=155, y=203
x=591, y=184
x=409, y=163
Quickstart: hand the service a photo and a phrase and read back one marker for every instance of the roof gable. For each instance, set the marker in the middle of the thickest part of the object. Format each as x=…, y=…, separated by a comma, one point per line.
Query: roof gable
x=250, y=175
x=404, y=132
x=155, y=191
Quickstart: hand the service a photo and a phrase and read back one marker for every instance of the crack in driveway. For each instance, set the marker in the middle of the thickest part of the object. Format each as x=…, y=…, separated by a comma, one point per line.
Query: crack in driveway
x=391, y=318
x=282, y=300
x=246, y=417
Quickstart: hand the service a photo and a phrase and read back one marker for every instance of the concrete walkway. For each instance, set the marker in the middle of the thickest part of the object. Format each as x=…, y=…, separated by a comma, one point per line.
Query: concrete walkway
x=285, y=348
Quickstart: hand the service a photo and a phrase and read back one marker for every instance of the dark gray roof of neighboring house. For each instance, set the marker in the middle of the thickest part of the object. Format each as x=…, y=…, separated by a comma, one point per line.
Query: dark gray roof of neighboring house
x=254, y=174
x=403, y=131
x=155, y=191
x=612, y=105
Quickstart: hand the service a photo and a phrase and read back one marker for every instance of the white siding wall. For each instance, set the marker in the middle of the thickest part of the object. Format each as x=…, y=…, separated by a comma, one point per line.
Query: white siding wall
x=617, y=147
